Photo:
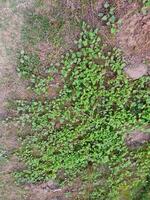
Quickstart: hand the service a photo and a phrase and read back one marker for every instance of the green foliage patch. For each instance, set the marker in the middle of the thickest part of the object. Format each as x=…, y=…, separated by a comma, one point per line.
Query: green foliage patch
x=29, y=68
x=146, y=3
x=145, y=7
x=107, y=15
x=28, y=64
x=85, y=125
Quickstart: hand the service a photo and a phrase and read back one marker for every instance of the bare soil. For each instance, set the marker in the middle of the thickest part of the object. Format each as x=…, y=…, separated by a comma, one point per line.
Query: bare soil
x=134, y=36
x=11, y=87
x=136, y=139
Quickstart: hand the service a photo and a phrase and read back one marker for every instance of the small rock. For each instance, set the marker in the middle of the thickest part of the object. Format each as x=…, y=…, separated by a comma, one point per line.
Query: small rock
x=136, y=72
x=136, y=139
x=50, y=185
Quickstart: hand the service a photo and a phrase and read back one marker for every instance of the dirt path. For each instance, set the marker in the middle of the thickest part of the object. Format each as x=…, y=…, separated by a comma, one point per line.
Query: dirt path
x=11, y=20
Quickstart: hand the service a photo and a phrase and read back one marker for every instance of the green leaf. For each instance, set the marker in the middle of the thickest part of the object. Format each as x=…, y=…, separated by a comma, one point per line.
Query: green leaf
x=112, y=19
x=113, y=30
x=106, y=5
x=100, y=14
x=104, y=18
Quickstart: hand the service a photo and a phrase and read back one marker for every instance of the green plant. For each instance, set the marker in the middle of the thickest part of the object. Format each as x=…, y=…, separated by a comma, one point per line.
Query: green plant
x=145, y=6
x=3, y=156
x=108, y=16
x=85, y=126
x=40, y=85
x=29, y=69
x=27, y=64
x=146, y=3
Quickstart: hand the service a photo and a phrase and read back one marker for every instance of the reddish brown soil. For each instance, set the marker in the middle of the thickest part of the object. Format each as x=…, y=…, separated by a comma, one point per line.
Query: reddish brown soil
x=134, y=36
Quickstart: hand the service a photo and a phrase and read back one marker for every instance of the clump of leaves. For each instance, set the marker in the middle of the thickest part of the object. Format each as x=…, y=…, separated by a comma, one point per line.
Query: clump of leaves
x=146, y=6
x=40, y=85
x=108, y=16
x=29, y=69
x=86, y=124
x=146, y=3
x=3, y=155
x=27, y=64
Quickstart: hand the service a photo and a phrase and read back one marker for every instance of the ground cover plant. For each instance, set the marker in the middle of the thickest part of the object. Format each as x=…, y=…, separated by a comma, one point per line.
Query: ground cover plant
x=145, y=6
x=85, y=126
x=146, y=3
x=108, y=16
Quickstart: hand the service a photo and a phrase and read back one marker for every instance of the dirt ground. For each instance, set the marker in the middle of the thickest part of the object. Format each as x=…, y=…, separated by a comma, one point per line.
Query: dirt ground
x=11, y=19
x=133, y=38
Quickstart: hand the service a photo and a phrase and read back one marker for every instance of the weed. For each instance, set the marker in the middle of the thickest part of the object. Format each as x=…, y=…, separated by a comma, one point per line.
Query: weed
x=146, y=3
x=29, y=69
x=108, y=16
x=3, y=156
x=146, y=6
x=27, y=64
x=86, y=124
